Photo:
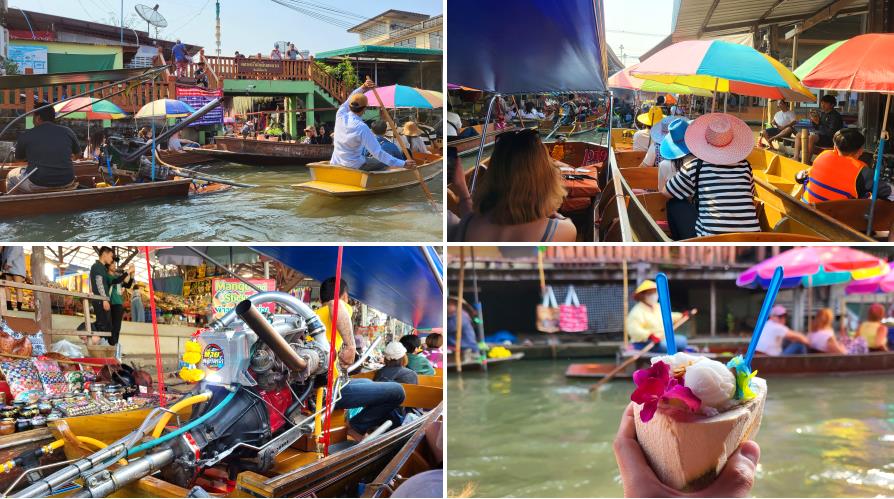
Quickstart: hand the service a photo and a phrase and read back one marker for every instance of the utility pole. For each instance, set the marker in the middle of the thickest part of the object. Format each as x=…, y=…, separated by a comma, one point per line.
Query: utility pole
x=217, y=28
x=122, y=22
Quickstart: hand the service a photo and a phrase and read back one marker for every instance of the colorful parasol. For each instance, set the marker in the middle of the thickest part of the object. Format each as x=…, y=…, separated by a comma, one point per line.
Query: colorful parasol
x=723, y=67
x=878, y=284
x=394, y=96
x=88, y=108
x=808, y=65
x=165, y=108
x=451, y=86
x=623, y=79
x=813, y=266
x=861, y=64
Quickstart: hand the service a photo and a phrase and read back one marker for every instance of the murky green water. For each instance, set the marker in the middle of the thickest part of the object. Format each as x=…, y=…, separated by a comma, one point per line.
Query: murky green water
x=272, y=212
x=525, y=430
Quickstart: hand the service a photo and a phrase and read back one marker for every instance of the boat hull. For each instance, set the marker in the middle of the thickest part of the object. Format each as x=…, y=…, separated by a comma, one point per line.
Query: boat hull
x=340, y=181
x=479, y=366
x=467, y=146
x=257, y=152
x=187, y=157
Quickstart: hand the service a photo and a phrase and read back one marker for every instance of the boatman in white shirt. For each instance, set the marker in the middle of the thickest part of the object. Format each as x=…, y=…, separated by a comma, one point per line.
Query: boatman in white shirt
x=353, y=137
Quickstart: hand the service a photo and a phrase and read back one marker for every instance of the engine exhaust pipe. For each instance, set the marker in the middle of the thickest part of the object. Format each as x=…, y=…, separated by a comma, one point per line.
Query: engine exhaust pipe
x=266, y=333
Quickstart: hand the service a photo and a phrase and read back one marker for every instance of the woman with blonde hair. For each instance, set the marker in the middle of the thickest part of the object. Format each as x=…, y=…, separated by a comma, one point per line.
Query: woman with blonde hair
x=873, y=331
x=822, y=337
x=518, y=196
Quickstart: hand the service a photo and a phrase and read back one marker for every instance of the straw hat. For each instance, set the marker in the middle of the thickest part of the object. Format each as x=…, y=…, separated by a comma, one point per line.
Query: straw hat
x=358, y=102
x=411, y=129
x=654, y=115
x=674, y=144
x=719, y=139
x=659, y=131
x=647, y=285
x=395, y=351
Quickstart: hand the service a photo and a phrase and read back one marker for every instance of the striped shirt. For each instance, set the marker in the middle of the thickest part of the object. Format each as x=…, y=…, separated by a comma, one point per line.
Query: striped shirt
x=725, y=196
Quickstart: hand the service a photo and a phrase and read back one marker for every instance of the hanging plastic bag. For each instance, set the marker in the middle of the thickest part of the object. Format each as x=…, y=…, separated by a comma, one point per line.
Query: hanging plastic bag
x=573, y=315
x=548, y=313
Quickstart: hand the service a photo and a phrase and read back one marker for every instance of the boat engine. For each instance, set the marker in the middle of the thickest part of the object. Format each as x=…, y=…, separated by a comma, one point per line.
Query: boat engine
x=258, y=371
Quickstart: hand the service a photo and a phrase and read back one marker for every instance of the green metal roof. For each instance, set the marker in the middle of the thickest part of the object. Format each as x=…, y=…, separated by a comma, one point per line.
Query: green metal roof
x=381, y=51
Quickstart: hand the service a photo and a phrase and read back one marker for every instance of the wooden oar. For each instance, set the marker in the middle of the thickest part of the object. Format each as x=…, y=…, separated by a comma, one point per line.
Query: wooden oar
x=403, y=147
x=608, y=377
x=198, y=176
x=518, y=110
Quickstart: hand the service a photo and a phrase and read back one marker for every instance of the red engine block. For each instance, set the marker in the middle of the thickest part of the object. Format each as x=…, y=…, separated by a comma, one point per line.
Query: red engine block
x=277, y=401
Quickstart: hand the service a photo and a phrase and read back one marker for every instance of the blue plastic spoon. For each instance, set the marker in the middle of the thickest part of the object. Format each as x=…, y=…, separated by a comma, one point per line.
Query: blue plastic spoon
x=769, y=300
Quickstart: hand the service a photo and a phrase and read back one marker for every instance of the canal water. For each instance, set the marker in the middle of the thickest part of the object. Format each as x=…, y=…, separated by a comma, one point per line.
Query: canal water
x=271, y=212
x=524, y=430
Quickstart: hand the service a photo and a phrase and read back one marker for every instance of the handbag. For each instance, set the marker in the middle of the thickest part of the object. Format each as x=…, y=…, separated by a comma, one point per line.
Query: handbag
x=548, y=313
x=573, y=315
x=682, y=215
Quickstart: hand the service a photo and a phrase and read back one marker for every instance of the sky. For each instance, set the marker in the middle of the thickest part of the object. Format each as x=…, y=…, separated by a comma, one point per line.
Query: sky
x=247, y=26
x=637, y=25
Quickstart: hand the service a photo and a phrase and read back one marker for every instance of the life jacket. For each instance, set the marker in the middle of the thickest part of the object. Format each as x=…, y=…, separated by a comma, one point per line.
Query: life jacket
x=832, y=177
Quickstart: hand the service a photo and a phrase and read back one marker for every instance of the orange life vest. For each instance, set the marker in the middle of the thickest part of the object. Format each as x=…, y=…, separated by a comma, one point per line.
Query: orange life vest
x=832, y=177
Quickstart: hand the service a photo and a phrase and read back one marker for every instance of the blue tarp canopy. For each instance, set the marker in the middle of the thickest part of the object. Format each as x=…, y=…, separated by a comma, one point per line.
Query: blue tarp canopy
x=396, y=280
x=526, y=46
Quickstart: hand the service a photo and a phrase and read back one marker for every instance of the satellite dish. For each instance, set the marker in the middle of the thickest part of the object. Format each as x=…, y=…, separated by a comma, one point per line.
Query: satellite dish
x=152, y=17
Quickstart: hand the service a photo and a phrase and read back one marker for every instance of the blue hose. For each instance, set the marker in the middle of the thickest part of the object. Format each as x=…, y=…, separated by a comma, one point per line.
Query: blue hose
x=179, y=431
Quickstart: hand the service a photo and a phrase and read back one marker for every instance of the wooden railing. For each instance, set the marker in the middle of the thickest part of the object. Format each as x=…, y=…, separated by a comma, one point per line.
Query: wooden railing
x=85, y=303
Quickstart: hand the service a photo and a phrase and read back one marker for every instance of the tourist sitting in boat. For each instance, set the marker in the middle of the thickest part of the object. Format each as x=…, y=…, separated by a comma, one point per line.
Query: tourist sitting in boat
x=95, y=147
x=518, y=197
x=396, y=369
x=175, y=143
x=324, y=135
x=873, y=331
x=353, y=136
x=681, y=215
x=827, y=122
x=380, y=128
x=455, y=124
x=310, y=136
x=416, y=362
x=642, y=139
x=778, y=339
x=569, y=111
x=433, y=344
x=644, y=324
x=657, y=133
x=822, y=338
x=145, y=134
x=413, y=135
x=248, y=128
x=48, y=148
x=468, y=343
x=719, y=180
x=783, y=126
x=530, y=112
x=839, y=174
x=379, y=400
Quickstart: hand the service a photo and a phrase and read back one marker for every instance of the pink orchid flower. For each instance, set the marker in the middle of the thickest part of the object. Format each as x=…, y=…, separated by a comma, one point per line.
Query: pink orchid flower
x=655, y=385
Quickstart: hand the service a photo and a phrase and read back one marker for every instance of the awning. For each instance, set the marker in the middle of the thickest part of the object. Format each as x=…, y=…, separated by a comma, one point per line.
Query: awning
x=526, y=46
x=31, y=81
x=383, y=52
x=396, y=280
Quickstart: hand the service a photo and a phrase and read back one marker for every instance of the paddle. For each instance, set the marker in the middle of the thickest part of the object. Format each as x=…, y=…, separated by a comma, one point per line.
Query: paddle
x=769, y=299
x=878, y=165
x=198, y=176
x=608, y=377
x=403, y=147
x=518, y=110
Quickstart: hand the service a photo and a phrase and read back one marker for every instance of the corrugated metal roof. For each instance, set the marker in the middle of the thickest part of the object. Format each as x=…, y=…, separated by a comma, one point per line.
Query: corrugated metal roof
x=737, y=16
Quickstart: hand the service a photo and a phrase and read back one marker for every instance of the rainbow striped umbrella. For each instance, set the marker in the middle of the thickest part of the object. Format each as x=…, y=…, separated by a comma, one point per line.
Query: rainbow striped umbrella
x=723, y=67
x=812, y=266
x=165, y=108
x=804, y=69
x=88, y=108
x=625, y=80
x=394, y=96
x=878, y=284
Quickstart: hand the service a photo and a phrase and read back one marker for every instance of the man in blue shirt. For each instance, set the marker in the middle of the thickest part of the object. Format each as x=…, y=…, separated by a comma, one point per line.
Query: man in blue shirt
x=468, y=339
x=178, y=53
x=372, y=164
x=353, y=138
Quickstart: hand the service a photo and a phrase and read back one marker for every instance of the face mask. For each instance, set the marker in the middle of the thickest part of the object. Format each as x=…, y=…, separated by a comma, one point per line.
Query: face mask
x=652, y=298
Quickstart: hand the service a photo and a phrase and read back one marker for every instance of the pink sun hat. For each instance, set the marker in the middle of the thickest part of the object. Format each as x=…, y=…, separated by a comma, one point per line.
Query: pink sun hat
x=719, y=139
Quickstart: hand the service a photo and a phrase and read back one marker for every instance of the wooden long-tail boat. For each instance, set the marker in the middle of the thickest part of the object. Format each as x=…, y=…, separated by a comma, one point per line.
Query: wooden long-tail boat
x=123, y=188
x=186, y=157
x=638, y=212
x=576, y=128
x=260, y=152
x=477, y=365
x=470, y=145
x=340, y=181
x=809, y=364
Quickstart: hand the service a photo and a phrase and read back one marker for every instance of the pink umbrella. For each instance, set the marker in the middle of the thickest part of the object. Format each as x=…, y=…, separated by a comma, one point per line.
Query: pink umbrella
x=394, y=96
x=818, y=262
x=877, y=284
